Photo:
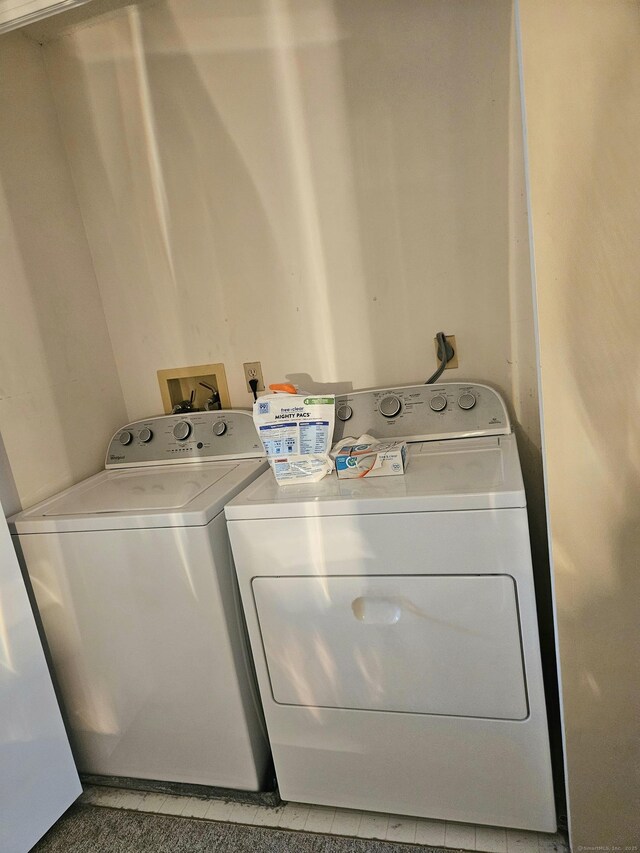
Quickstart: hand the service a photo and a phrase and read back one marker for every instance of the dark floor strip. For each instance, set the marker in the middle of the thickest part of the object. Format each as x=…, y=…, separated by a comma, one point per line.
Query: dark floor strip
x=269, y=798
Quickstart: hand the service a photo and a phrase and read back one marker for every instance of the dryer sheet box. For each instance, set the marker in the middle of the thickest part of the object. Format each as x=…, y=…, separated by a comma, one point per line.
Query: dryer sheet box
x=381, y=459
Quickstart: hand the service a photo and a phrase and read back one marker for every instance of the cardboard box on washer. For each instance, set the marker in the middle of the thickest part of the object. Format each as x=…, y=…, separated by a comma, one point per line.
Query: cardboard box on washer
x=374, y=459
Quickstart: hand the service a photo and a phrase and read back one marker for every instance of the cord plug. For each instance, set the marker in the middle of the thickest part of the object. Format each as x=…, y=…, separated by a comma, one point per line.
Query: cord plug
x=253, y=384
x=449, y=350
x=445, y=354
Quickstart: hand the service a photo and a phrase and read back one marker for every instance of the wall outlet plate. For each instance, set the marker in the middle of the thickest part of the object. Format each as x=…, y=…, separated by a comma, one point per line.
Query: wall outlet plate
x=454, y=361
x=253, y=370
x=177, y=383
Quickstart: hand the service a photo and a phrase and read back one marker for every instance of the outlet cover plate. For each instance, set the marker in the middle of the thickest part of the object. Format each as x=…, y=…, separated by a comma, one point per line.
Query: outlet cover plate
x=253, y=370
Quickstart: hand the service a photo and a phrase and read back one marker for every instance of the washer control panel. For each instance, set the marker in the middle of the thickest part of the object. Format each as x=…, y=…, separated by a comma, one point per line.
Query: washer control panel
x=193, y=437
x=422, y=412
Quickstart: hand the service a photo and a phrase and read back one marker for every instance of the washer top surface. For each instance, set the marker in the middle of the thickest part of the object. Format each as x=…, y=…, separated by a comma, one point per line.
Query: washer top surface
x=455, y=474
x=185, y=495
x=139, y=491
x=158, y=474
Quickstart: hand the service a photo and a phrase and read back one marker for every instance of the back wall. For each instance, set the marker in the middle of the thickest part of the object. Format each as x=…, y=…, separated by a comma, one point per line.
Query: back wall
x=319, y=186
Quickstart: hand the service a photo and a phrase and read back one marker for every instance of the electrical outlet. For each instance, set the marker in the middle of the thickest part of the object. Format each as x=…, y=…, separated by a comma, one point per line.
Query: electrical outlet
x=451, y=339
x=253, y=370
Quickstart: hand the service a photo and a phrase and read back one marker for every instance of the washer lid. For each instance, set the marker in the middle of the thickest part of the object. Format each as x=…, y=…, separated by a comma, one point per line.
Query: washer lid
x=138, y=490
x=459, y=474
x=162, y=496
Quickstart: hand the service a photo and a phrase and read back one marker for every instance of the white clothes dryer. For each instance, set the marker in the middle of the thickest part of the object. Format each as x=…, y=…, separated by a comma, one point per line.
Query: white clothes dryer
x=393, y=620
x=134, y=582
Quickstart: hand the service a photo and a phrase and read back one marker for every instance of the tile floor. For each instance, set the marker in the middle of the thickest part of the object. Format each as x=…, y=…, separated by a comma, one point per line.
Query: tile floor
x=434, y=833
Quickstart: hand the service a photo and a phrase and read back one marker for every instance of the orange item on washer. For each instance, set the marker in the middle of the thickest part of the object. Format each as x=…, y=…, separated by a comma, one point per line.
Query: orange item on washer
x=285, y=388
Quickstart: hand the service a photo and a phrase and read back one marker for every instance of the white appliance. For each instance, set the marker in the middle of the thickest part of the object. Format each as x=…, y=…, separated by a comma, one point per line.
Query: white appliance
x=38, y=779
x=134, y=582
x=393, y=621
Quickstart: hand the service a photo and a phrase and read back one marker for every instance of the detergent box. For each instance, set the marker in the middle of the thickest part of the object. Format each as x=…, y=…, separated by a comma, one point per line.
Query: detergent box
x=379, y=459
x=296, y=431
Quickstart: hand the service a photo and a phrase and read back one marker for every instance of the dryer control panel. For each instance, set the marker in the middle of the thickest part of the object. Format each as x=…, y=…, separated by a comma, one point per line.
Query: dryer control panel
x=422, y=412
x=192, y=437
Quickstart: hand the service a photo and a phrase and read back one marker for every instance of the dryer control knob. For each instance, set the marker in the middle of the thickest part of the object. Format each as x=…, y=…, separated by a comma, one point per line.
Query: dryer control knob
x=344, y=412
x=390, y=406
x=467, y=401
x=182, y=430
x=438, y=403
x=219, y=428
x=145, y=435
x=125, y=437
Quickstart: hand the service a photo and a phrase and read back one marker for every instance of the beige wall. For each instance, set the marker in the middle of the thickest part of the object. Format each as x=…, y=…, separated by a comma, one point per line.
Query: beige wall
x=59, y=392
x=320, y=186
x=582, y=95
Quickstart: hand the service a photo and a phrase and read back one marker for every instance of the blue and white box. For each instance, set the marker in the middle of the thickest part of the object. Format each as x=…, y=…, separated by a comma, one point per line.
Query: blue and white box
x=381, y=459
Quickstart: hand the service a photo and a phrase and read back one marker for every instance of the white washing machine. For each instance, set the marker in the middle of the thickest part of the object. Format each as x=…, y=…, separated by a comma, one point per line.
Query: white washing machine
x=134, y=581
x=393, y=620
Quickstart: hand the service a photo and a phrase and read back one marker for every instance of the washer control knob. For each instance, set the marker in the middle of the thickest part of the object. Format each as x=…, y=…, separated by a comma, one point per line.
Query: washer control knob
x=467, y=400
x=182, y=430
x=344, y=412
x=438, y=403
x=145, y=435
x=390, y=406
x=219, y=428
x=125, y=438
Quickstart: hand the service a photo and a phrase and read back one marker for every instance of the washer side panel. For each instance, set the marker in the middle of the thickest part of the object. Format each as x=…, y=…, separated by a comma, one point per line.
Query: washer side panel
x=137, y=626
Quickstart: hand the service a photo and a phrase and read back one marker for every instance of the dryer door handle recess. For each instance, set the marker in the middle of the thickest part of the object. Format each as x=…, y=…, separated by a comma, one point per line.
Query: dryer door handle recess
x=377, y=610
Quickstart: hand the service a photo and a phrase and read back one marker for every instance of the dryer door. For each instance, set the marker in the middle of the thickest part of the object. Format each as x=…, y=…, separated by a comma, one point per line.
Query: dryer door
x=417, y=644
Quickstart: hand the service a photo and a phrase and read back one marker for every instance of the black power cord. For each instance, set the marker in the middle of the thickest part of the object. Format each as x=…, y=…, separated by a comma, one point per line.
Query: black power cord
x=253, y=384
x=446, y=353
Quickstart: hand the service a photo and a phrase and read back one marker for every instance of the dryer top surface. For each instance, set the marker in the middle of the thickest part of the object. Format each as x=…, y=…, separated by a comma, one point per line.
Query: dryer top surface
x=457, y=474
